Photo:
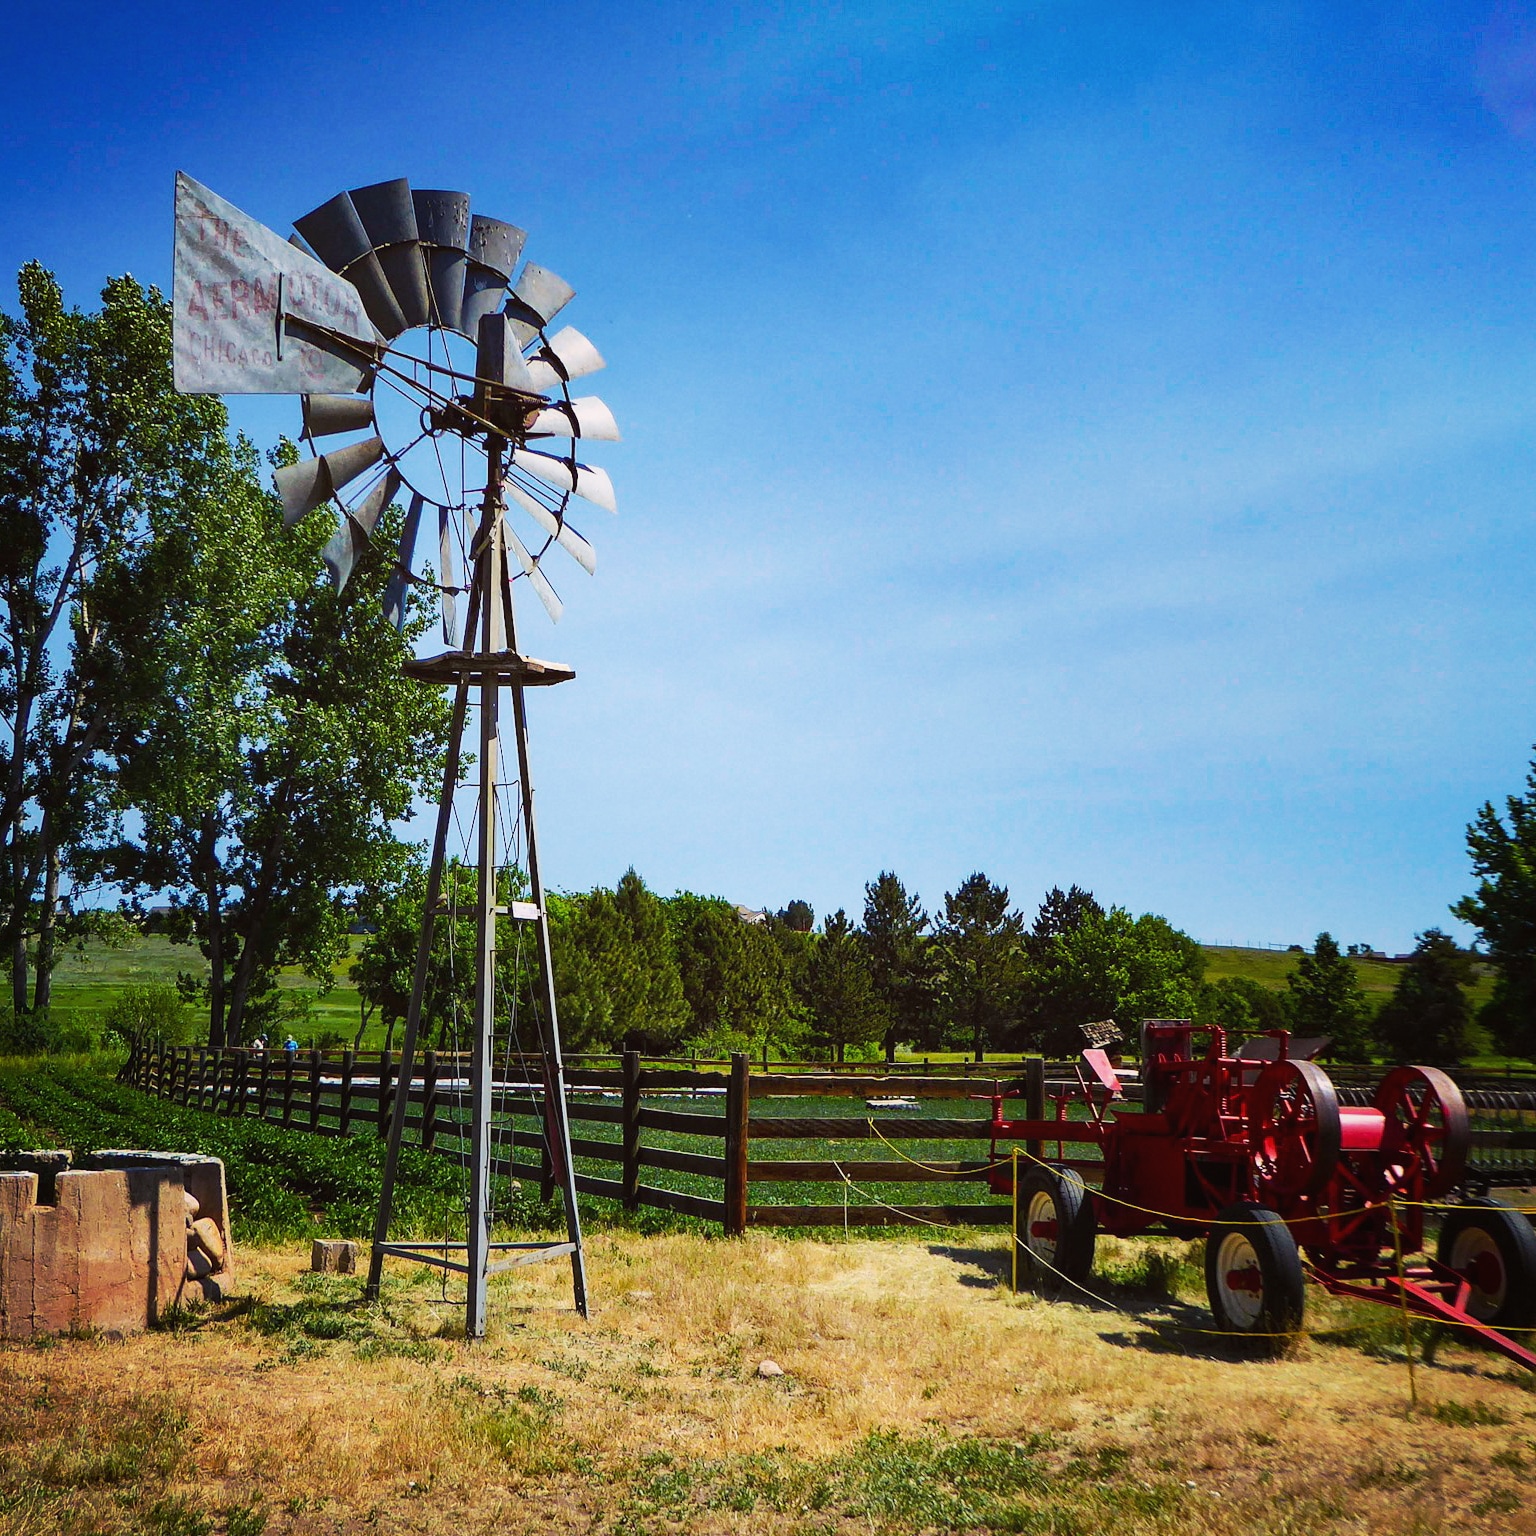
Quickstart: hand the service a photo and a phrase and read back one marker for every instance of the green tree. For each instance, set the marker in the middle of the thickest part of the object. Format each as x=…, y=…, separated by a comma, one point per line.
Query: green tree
x=274, y=742
x=617, y=980
x=846, y=1009
x=1108, y=965
x=979, y=953
x=734, y=975
x=896, y=954
x=1427, y=1018
x=1503, y=910
x=1324, y=998
x=95, y=446
x=1241, y=1006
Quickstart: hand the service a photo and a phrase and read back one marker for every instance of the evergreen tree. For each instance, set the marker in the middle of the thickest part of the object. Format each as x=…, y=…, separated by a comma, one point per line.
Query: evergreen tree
x=896, y=954
x=1061, y=912
x=1324, y=998
x=978, y=953
x=1427, y=1018
x=846, y=1010
x=734, y=976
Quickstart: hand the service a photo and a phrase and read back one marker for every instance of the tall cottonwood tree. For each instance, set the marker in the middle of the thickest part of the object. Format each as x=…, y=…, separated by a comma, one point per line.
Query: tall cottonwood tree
x=95, y=446
x=275, y=745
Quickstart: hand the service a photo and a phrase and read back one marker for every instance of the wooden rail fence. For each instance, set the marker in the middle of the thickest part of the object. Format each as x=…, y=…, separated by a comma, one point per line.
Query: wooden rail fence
x=346, y=1093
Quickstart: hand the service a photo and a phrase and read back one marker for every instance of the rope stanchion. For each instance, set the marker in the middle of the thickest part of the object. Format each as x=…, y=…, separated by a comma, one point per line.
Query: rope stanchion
x=1014, y=1225
x=1402, y=1296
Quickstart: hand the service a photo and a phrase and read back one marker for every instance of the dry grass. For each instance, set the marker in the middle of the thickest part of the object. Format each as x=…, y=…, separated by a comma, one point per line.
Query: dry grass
x=918, y=1394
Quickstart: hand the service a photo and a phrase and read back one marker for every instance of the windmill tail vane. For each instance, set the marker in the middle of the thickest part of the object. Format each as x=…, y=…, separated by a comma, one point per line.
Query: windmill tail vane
x=420, y=344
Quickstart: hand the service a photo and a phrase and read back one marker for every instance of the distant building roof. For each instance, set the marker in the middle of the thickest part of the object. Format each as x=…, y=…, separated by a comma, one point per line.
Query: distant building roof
x=748, y=915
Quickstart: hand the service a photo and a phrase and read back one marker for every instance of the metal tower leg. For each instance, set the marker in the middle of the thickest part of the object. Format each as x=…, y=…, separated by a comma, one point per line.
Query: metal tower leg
x=418, y=990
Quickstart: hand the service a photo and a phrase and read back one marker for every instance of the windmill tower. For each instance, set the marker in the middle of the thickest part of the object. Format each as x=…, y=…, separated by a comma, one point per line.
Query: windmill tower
x=424, y=368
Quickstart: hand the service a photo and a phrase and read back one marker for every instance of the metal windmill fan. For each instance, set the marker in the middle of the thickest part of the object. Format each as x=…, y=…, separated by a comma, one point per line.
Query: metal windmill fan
x=424, y=368
x=434, y=348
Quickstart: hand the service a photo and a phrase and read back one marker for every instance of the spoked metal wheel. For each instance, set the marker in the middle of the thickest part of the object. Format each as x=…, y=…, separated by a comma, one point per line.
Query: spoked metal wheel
x=1254, y=1279
x=1056, y=1229
x=1427, y=1133
x=1294, y=1131
x=1494, y=1250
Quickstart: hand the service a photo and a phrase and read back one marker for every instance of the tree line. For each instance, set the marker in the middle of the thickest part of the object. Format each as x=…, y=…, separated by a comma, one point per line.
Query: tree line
x=663, y=975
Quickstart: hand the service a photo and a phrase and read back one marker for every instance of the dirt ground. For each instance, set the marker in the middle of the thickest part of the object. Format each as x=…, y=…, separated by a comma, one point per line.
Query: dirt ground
x=917, y=1393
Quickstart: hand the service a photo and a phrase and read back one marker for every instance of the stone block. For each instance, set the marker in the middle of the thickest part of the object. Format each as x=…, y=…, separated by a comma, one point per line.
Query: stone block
x=110, y=1250
x=333, y=1256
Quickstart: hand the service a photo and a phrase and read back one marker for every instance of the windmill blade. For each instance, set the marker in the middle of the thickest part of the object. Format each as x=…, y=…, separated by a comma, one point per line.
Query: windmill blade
x=499, y=359
x=342, y=551
x=395, y=593
x=338, y=237
x=445, y=574
x=233, y=281
x=565, y=356
x=540, y=294
x=586, y=480
x=326, y=415
x=396, y=606
x=368, y=509
x=410, y=532
x=388, y=216
x=536, y=578
x=494, y=247
x=304, y=485
x=442, y=220
x=335, y=233
x=556, y=527
x=587, y=417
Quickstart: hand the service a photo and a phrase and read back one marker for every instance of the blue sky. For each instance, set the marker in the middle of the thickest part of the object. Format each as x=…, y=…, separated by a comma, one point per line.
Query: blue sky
x=1079, y=442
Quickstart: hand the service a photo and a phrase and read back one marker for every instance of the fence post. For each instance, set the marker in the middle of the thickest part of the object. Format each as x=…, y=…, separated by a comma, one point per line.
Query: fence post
x=314, y=1089
x=346, y=1093
x=241, y=1089
x=288, y=1057
x=428, y=1099
x=738, y=1100
x=386, y=1093
x=1034, y=1100
x=631, y=1174
x=266, y=1079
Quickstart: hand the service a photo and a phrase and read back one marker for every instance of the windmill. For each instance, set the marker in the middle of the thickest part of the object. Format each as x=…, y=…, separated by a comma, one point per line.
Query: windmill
x=423, y=368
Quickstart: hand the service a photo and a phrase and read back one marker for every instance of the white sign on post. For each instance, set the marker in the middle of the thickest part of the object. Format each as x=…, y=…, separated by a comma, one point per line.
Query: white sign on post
x=234, y=281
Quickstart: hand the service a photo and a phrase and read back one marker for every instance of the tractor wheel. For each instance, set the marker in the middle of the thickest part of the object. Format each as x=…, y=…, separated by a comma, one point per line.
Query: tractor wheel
x=1056, y=1228
x=1494, y=1248
x=1253, y=1277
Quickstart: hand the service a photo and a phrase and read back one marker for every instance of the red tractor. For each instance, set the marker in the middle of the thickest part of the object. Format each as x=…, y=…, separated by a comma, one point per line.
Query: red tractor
x=1253, y=1152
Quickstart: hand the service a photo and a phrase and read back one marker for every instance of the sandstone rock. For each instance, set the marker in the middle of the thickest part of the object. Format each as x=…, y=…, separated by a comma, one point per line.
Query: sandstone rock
x=193, y=1208
x=769, y=1369
x=199, y=1263
x=333, y=1256
x=204, y=1233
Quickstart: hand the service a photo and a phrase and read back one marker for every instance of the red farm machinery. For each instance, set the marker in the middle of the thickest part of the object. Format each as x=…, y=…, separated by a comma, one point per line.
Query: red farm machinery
x=1252, y=1151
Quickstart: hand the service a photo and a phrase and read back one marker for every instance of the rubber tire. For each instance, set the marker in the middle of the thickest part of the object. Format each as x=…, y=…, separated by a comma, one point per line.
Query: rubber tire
x=1516, y=1241
x=1275, y=1324
x=1076, y=1229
